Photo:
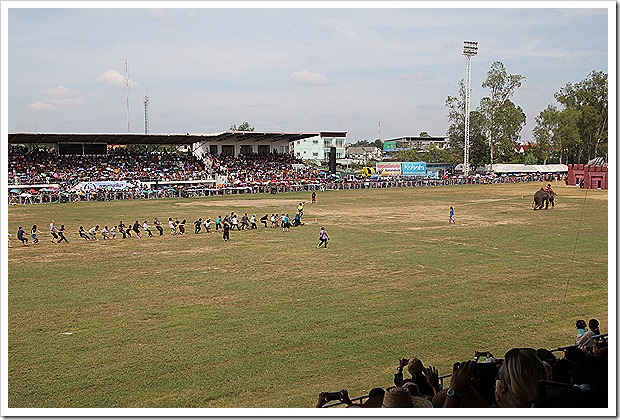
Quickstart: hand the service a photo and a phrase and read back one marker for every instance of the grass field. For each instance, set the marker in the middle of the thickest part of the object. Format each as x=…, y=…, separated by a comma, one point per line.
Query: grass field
x=269, y=320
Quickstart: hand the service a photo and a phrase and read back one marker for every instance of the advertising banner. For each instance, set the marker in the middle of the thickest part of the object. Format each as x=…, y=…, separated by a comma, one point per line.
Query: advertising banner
x=389, y=168
x=389, y=145
x=98, y=185
x=414, y=168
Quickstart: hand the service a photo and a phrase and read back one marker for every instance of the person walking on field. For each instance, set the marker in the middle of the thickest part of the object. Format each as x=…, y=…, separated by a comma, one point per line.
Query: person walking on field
x=451, y=220
x=323, y=237
x=314, y=196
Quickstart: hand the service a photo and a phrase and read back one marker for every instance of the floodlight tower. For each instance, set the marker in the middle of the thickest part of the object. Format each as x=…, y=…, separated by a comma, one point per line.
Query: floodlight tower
x=470, y=49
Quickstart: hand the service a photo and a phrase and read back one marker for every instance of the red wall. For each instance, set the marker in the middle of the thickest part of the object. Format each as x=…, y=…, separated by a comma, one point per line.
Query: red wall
x=593, y=176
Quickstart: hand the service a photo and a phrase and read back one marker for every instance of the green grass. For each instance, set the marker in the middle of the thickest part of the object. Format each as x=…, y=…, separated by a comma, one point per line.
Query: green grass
x=269, y=320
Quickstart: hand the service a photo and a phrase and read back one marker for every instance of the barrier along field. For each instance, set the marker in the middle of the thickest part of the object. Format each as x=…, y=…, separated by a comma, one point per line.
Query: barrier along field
x=268, y=320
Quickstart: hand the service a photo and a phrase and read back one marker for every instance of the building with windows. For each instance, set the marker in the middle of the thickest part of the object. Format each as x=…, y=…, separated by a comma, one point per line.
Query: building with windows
x=318, y=147
x=363, y=155
x=415, y=143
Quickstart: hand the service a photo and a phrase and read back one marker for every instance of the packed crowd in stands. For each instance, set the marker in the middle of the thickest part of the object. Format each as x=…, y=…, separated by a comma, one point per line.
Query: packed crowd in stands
x=523, y=378
x=153, y=174
x=47, y=166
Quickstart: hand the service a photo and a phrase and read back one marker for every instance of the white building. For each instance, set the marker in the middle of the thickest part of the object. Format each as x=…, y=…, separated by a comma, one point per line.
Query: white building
x=318, y=147
x=363, y=155
x=415, y=143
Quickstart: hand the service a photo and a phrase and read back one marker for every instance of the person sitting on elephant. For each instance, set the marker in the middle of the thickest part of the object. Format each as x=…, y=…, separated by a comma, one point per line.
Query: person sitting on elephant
x=542, y=198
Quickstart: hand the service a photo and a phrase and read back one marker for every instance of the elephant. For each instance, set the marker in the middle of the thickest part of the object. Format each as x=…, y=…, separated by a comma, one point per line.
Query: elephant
x=543, y=198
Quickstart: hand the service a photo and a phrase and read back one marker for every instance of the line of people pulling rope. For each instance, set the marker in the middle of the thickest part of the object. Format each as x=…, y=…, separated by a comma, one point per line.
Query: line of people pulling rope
x=224, y=224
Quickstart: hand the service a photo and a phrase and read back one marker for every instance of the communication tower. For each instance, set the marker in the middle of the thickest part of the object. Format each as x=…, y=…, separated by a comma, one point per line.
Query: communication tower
x=127, y=94
x=146, y=113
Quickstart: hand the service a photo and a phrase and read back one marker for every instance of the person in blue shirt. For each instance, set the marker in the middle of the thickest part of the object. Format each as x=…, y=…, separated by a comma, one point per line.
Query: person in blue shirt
x=21, y=235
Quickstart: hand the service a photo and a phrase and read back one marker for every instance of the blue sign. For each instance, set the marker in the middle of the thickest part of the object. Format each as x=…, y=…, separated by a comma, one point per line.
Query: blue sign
x=413, y=168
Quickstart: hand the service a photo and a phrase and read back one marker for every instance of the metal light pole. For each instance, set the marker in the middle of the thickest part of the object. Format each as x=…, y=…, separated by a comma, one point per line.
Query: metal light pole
x=470, y=49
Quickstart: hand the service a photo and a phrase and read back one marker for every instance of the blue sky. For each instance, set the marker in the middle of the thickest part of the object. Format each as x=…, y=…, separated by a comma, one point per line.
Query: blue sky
x=360, y=68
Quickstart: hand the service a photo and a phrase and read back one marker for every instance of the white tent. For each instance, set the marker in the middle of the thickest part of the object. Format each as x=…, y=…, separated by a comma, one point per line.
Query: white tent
x=519, y=168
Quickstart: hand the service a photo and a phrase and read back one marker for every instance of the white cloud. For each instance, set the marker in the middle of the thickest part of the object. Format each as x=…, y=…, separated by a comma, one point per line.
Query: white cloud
x=41, y=105
x=58, y=91
x=162, y=16
x=308, y=78
x=55, y=97
x=114, y=78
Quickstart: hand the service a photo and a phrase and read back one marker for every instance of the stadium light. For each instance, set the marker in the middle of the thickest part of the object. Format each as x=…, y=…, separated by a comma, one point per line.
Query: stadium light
x=470, y=49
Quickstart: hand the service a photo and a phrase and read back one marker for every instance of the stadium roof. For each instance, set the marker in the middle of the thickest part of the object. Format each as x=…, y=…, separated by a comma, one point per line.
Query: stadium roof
x=158, y=139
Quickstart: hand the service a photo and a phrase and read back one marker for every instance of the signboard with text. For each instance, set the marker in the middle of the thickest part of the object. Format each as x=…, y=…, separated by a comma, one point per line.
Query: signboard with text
x=414, y=168
x=389, y=168
x=389, y=145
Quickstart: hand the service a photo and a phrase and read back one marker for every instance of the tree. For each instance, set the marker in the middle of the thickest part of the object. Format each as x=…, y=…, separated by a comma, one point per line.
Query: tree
x=478, y=147
x=568, y=139
x=245, y=126
x=424, y=134
x=378, y=143
x=590, y=99
x=544, y=133
x=361, y=143
x=503, y=119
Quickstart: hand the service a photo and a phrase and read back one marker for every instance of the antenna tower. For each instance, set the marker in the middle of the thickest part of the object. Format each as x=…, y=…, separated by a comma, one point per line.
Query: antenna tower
x=127, y=94
x=146, y=113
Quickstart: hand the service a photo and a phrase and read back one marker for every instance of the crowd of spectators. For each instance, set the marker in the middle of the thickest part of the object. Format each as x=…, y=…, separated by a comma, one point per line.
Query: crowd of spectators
x=523, y=378
x=47, y=167
x=280, y=172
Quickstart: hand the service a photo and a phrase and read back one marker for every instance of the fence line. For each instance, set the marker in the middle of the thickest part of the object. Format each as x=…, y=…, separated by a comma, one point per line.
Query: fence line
x=146, y=194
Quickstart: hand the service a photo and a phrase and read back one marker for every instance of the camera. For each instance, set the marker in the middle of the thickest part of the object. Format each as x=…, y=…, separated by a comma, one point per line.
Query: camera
x=329, y=396
x=486, y=372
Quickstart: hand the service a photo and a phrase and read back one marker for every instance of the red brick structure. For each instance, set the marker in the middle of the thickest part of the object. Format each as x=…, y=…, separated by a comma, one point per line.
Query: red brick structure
x=593, y=176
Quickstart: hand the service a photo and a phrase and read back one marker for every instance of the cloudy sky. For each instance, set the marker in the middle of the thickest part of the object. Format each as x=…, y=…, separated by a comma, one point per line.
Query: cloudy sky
x=371, y=69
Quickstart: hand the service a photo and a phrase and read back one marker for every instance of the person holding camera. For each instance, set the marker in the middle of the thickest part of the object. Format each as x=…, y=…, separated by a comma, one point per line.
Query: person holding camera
x=426, y=378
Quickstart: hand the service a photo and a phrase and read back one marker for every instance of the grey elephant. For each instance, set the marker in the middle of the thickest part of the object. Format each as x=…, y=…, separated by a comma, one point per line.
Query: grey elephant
x=543, y=198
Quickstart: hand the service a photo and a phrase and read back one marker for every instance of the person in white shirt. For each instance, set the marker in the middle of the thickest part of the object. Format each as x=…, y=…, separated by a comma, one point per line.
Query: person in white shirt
x=147, y=228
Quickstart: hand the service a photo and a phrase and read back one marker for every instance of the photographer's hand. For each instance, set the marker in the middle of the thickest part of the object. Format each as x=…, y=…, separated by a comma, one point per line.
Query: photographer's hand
x=462, y=375
x=432, y=376
x=322, y=399
x=403, y=362
x=344, y=397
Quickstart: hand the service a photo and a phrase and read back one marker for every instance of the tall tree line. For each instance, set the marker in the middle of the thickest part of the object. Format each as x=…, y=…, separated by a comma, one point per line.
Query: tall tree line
x=573, y=131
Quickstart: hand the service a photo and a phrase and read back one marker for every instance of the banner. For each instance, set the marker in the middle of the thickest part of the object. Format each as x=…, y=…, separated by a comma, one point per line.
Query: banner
x=414, y=168
x=389, y=168
x=389, y=145
x=97, y=185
